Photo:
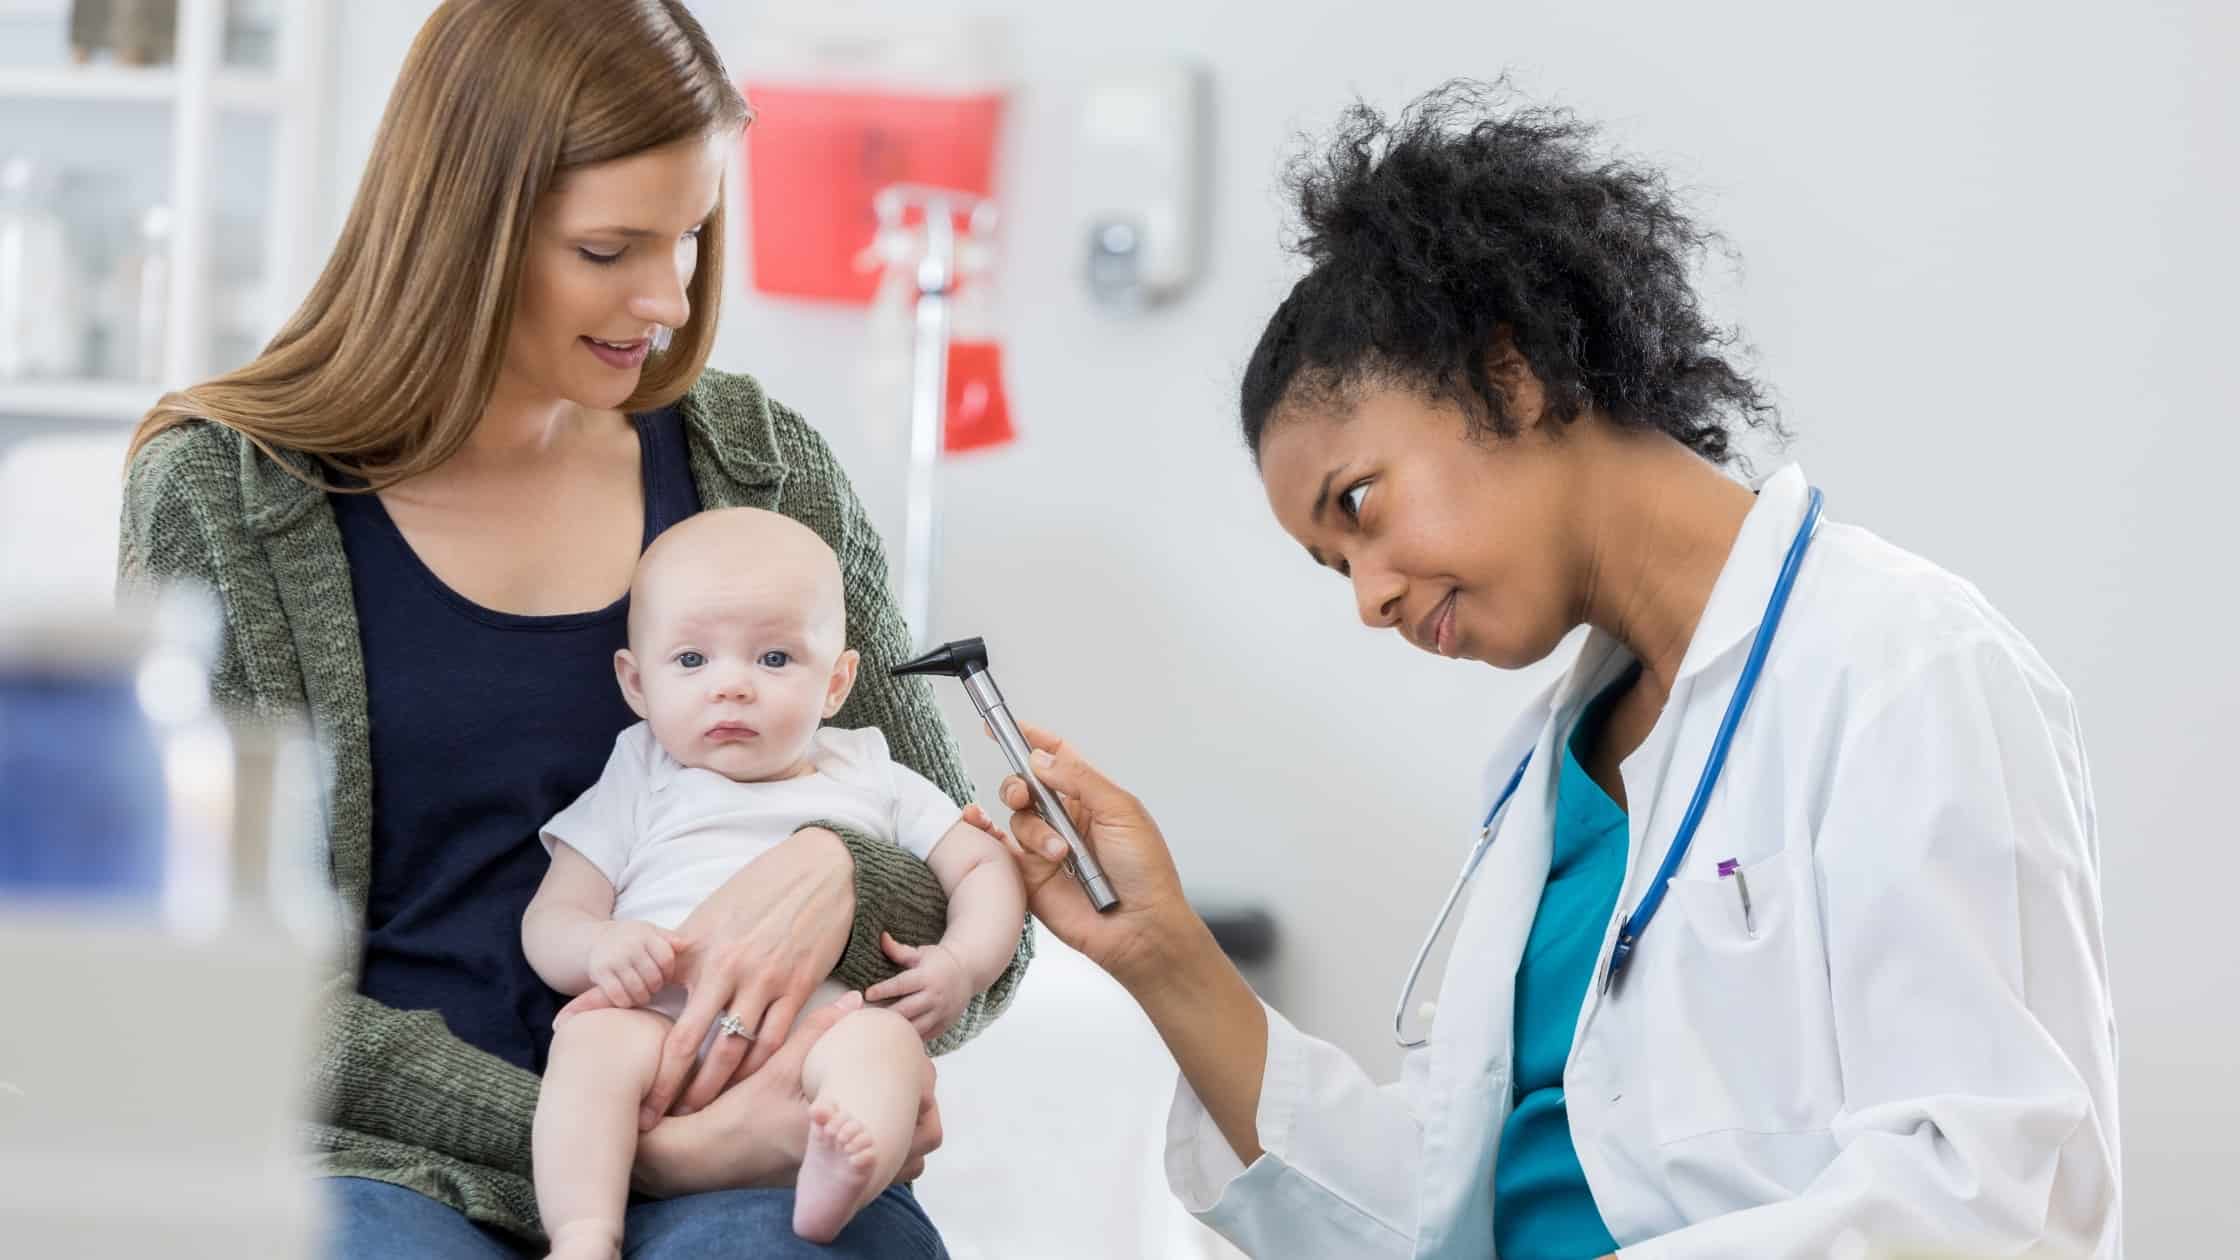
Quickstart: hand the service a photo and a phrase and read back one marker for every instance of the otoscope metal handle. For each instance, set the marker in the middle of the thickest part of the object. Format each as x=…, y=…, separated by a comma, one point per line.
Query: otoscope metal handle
x=1082, y=864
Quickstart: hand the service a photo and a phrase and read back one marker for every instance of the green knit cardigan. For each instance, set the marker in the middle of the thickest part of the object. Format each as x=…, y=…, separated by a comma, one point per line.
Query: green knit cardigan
x=397, y=1097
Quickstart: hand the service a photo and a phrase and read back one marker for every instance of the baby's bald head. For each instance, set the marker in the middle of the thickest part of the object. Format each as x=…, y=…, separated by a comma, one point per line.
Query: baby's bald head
x=740, y=562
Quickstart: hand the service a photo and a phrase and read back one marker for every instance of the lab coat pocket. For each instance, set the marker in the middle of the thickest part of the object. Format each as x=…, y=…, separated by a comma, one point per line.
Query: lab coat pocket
x=1744, y=1002
x=1732, y=914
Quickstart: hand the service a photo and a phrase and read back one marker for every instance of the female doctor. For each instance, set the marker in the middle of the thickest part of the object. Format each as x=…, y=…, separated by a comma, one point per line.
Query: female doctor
x=1786, y=940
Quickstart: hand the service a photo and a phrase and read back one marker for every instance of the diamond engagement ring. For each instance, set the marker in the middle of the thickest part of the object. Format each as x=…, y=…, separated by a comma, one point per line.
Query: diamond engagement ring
x=735, y=1026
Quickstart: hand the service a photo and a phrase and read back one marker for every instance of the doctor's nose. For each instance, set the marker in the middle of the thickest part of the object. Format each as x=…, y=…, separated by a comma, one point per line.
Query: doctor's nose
x=1378, y=596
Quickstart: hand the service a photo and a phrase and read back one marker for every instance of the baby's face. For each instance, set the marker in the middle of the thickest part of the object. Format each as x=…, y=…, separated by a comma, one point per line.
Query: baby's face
x=736, y=666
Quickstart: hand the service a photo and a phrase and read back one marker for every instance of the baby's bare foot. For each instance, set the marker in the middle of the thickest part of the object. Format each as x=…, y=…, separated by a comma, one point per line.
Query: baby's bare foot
x=835, y=1176
x=587, y=1240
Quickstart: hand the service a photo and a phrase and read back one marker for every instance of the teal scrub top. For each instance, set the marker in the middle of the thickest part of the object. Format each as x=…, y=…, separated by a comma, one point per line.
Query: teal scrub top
x=1542, y=1209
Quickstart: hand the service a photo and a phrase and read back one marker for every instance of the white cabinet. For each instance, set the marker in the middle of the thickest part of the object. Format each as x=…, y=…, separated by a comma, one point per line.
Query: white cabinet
x=188, y=191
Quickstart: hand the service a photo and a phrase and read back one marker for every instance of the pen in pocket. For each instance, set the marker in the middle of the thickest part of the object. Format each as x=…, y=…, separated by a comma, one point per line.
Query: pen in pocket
x=1732, y=867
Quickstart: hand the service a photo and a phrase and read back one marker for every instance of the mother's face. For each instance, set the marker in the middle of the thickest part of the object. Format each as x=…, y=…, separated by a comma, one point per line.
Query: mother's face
x=610, y=261
x=1465, y=545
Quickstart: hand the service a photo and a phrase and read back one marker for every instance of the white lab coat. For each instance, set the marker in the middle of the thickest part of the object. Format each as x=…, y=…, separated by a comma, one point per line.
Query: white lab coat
x=1916, y=1050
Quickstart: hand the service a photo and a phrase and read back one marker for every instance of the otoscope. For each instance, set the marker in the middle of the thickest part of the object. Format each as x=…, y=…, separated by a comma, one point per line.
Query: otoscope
x=967, y=659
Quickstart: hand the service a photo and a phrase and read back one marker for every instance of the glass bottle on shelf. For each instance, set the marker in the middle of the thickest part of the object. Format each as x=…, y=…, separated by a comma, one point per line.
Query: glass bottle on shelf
x=42, y=333
x=134, y=300
x=151, y=289
x=136, y=32
x=252, y=34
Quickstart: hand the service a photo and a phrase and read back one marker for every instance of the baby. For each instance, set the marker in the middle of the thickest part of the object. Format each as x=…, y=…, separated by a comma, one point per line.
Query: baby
x=737, y=655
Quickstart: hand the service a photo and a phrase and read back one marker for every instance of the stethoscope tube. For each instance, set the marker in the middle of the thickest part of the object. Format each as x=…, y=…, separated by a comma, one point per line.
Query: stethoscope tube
x=1454, y=894
x=1638, y=922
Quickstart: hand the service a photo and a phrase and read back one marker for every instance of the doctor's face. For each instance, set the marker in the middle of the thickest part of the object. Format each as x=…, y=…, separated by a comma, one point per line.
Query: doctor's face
x=1463, y=544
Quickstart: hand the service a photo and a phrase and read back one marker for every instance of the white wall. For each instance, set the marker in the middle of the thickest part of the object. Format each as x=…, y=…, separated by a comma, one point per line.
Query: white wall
x=1989, y=263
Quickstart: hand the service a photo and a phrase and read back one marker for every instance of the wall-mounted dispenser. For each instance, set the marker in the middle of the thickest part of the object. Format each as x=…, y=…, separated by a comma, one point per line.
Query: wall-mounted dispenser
x=1140, y=181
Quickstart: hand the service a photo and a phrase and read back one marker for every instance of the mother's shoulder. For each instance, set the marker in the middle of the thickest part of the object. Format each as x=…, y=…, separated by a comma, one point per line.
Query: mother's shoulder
x=193, y=451
x=206, y=463
x=744, y=424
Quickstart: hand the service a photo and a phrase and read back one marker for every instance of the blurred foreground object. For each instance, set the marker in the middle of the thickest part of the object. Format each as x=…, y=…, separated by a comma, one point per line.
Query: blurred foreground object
x=164, y=922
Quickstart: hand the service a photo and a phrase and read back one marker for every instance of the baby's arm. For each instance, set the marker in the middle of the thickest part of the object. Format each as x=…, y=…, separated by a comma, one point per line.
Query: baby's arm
x=574, y=943
x=987, y=903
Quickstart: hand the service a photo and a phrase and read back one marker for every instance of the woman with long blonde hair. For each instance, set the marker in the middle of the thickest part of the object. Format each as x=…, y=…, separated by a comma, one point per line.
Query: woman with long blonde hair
x=420, y=508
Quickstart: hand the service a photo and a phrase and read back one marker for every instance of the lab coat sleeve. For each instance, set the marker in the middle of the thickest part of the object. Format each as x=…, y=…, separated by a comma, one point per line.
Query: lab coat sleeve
x=1958, y=875
x=1340, y=1155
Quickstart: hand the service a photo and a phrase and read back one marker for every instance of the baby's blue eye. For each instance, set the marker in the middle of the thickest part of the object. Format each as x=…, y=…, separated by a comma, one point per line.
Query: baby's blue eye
x=776, y=660
x=691, y=660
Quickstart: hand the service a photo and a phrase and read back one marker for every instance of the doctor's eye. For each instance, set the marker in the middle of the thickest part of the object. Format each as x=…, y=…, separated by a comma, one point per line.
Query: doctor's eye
x=603, y=260
x=776, y=660
x=691, y=660
x=1349, y=504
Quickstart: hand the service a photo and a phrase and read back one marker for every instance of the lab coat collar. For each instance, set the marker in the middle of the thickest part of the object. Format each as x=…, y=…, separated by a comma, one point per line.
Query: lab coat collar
x=1738, y=599
x=1730, y=618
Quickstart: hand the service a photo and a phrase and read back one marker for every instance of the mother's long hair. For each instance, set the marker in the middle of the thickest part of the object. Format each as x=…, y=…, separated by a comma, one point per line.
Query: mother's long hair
x=390, y=362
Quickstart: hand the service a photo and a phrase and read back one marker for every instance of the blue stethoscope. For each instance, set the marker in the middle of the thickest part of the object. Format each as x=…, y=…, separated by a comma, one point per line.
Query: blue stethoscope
x=1637, y=922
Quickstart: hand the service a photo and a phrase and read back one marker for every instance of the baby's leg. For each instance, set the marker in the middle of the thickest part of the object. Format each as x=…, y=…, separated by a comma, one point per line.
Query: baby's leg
x=586, y=1132
x=863, y=1079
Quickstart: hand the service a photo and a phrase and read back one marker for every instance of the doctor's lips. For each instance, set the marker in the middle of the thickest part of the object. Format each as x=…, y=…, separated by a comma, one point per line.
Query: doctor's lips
x=1436, y=632
x=729, y=732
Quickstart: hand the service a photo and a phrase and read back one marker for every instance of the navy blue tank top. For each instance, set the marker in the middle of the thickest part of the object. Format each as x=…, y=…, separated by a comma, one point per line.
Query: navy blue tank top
x=483, y=726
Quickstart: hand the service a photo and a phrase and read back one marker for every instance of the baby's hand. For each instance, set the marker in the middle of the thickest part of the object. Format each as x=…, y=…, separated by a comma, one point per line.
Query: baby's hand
x=631, y=961
x=978, y=817
x=933, y=990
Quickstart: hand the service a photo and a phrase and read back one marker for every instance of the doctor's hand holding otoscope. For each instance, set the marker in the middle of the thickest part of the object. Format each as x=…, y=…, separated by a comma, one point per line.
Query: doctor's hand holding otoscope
x=1153, y=943
x=1098, y=874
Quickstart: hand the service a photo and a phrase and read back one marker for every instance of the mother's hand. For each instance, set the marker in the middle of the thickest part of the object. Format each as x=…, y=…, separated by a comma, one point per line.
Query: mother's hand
x=755, y=1133
x=756, y=948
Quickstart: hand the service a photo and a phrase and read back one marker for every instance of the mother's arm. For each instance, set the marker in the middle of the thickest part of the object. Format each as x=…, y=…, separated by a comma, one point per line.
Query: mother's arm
x=895, y=891
x=376, y=1070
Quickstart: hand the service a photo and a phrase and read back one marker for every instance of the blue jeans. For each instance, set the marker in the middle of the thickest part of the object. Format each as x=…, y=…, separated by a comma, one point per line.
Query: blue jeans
x=373, y=1219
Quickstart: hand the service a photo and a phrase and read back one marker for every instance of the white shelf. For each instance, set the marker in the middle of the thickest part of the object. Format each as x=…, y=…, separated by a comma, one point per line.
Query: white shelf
x=89, y=83
x=152, y=84
x=121, y=402
x=190, y=100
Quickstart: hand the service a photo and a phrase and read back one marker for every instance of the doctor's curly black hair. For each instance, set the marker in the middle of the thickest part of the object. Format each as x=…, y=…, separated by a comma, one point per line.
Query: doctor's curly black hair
x=1431, y=234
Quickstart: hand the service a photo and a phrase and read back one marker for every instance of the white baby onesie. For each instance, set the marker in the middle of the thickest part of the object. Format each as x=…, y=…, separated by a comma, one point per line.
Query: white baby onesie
x=667, y=835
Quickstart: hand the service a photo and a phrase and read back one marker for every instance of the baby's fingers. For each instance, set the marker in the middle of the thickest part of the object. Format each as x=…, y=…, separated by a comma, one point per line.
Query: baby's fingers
x=906, y=955
x=895, y=986
x=618, y=990
x=922, y=1012
x=978, y=817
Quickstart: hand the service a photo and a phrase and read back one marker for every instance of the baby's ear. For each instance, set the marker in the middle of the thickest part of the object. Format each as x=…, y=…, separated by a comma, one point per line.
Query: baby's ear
x=842, y=682
x=633, y=688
